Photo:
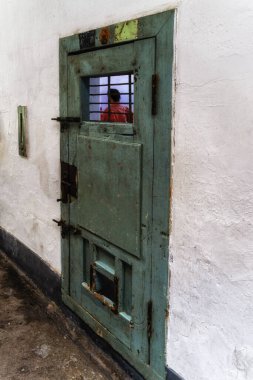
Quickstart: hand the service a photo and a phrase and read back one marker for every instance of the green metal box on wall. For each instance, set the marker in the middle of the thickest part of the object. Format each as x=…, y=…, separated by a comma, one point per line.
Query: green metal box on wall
x=22, y=125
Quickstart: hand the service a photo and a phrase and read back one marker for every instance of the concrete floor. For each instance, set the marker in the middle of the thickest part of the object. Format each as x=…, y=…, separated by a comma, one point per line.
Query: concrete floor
x=37, y=342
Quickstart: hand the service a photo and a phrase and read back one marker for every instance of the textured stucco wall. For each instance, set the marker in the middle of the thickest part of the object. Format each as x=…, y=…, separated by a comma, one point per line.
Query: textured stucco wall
x=211, y=294
x=210, y=332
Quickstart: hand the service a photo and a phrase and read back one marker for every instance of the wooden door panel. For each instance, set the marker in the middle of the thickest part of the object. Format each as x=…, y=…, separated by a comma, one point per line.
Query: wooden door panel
x=116, y=59
x=109, y=197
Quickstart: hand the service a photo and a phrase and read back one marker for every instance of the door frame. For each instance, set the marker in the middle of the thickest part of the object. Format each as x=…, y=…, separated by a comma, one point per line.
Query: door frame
x=160, y=26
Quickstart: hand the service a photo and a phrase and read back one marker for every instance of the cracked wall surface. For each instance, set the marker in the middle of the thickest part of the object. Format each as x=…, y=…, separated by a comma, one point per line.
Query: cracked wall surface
x=210, y=330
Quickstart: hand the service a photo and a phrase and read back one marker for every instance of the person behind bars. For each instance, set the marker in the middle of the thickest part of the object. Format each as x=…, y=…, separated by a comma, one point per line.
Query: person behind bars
x=116, y=112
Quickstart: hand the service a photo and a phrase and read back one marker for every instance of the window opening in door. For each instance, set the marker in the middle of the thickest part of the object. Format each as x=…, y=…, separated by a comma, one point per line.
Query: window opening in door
x=110, y=98
x=105, y=287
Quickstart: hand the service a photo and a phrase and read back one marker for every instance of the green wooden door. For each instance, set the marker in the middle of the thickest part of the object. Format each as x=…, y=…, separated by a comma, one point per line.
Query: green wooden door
x=115, y=253
x=110, y=261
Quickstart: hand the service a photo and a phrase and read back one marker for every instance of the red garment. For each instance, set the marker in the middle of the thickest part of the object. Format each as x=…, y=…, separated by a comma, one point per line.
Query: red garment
x=118, y=114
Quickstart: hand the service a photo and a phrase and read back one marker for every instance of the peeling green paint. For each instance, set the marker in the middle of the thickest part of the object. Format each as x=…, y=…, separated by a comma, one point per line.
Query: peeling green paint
x=126, y=31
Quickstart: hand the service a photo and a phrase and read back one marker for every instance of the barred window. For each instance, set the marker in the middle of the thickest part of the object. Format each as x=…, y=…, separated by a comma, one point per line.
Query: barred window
x=110, y=98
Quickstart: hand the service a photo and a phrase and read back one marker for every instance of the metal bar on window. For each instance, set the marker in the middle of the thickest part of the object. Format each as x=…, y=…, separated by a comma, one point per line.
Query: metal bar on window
x=109, y=104
x=129, y=97
x=122, y=93
x=112, y=113
x=114, y=84
x=99, y=99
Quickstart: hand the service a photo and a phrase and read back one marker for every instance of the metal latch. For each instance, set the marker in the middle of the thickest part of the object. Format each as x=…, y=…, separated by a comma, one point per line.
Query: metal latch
x=68, y=182
x=65, y=121
x=66, y=228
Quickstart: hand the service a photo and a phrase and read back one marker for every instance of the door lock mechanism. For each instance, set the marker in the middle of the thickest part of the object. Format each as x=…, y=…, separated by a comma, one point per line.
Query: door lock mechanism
x=65, y=121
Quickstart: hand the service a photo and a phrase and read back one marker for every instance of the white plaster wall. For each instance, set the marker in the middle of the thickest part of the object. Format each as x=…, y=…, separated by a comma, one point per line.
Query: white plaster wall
x=211, y=295
x=210, y=332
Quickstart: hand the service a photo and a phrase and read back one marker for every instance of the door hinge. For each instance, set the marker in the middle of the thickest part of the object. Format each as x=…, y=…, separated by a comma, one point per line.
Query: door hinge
x=149, y=319
x=68, y=182
x=155, y=79
x=67, y=228
x=65, y=121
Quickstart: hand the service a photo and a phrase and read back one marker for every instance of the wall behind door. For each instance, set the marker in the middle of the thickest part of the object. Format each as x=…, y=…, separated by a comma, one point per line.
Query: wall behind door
x=210, y=332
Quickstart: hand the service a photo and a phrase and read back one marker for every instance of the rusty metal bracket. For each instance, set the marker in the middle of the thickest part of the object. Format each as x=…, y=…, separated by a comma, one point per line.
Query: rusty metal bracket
x=65, y=121
x=66, y=228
